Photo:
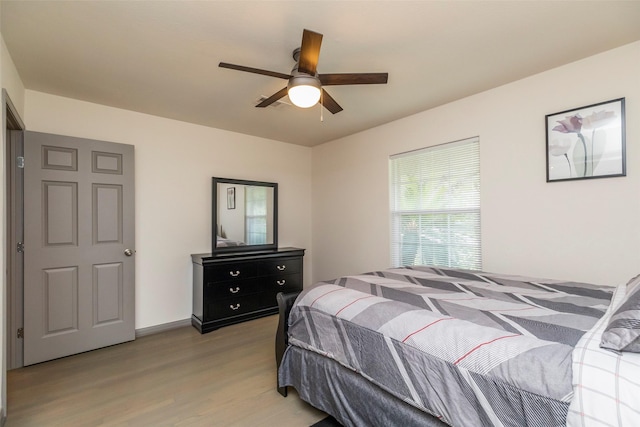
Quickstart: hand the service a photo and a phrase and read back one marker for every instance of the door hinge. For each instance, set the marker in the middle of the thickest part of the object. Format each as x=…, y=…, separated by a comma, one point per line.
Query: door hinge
x=20, y=162
x=20, y=247
x=20, y=332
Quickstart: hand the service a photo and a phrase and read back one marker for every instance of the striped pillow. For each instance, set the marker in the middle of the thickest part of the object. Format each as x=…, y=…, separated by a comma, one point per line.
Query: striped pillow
x=623, y=331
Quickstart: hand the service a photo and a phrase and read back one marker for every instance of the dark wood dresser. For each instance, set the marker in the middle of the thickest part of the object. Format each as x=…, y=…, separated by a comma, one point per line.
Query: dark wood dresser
x=233, y=287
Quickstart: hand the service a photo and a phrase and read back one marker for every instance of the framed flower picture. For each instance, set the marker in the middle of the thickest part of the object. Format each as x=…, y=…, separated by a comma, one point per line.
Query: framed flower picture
x=586, y=142
x=231, y=198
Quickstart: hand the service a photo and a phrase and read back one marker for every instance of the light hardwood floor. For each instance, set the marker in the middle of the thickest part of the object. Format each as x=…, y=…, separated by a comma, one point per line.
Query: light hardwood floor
x=173, y=378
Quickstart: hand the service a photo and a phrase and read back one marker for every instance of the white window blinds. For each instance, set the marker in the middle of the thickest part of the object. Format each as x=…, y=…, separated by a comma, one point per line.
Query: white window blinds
x=435, y=206
x=255, y=215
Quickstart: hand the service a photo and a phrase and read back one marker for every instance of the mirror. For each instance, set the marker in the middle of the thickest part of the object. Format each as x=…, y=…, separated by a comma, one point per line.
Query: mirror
x=245, y=215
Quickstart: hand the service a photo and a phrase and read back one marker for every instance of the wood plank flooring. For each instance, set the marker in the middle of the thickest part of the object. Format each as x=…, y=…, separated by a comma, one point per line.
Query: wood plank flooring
x=173, y=378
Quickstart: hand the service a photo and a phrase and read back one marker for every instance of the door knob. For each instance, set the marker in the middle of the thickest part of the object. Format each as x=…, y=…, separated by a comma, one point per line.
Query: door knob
x=128, y=252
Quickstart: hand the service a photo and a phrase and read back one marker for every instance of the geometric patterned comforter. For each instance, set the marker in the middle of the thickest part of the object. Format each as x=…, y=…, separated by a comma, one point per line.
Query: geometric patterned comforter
x=470, y=348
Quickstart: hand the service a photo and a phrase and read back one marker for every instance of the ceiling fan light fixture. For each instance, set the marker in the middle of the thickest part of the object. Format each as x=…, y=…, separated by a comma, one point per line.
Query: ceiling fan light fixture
x=304, y=91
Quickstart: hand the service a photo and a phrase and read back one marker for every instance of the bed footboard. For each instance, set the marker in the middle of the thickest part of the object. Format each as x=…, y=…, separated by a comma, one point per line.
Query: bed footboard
x=285, y=302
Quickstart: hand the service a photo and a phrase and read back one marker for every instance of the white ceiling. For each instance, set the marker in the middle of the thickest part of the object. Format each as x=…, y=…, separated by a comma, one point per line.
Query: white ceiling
x=161, y=57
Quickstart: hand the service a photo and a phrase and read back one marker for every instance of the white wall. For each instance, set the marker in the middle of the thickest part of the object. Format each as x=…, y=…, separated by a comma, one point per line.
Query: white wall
x=11, y=80
x=581, y=230
x=174, y=165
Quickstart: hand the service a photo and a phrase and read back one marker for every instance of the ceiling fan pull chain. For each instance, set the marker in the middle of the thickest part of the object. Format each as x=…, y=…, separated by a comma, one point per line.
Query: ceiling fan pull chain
x=321, y=106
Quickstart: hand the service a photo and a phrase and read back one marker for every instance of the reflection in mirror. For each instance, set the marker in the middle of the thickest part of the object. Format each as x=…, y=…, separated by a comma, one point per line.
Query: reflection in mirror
x=244, y=215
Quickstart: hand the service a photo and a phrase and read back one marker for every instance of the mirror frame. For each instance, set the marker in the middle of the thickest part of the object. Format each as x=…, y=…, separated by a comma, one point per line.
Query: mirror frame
x=214, y=217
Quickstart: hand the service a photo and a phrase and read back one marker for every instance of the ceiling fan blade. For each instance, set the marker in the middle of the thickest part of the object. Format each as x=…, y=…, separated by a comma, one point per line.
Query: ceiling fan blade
x=353, y=79
x=273, y=98
x=309, y=52
x=255, y=70
x=329, y=103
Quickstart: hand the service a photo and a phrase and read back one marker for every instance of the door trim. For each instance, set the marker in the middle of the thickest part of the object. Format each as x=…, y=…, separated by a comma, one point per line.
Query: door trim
x=13, y=285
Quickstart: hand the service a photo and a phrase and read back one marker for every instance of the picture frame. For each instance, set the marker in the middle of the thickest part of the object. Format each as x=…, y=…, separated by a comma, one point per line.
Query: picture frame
x=586, y=142
x=231, y=198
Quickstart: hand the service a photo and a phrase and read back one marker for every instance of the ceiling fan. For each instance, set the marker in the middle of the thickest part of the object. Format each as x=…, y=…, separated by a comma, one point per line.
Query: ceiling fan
x=305, y=84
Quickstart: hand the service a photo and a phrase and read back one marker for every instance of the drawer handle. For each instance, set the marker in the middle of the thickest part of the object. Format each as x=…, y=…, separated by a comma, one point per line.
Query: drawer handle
x=234, y=273
x=281, y=282
x=234, y=307
x=234, y=291
x=281, y=267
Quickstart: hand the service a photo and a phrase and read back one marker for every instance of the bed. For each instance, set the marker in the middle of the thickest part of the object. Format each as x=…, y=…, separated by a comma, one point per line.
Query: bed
x=426, y=346
x=222, y=242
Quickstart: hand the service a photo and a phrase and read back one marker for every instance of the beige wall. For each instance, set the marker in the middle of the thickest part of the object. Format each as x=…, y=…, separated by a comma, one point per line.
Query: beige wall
x=174, y=165
x=11, y=81
x=582, y=230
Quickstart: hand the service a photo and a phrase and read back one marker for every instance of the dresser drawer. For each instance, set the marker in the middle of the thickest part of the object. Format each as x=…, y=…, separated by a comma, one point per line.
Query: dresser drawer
x=236, y=288
x=280, y=266
x=284, y=283
x=230, y=307
x=230, y=271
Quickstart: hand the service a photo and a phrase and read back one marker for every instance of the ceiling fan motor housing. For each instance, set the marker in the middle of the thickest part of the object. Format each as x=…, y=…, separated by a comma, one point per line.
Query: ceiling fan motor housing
x=299, y=79
x=296, y=54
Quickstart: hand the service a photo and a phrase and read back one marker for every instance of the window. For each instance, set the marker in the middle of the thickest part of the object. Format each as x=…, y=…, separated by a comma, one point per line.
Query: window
x=435, y=206
x=256, y=215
